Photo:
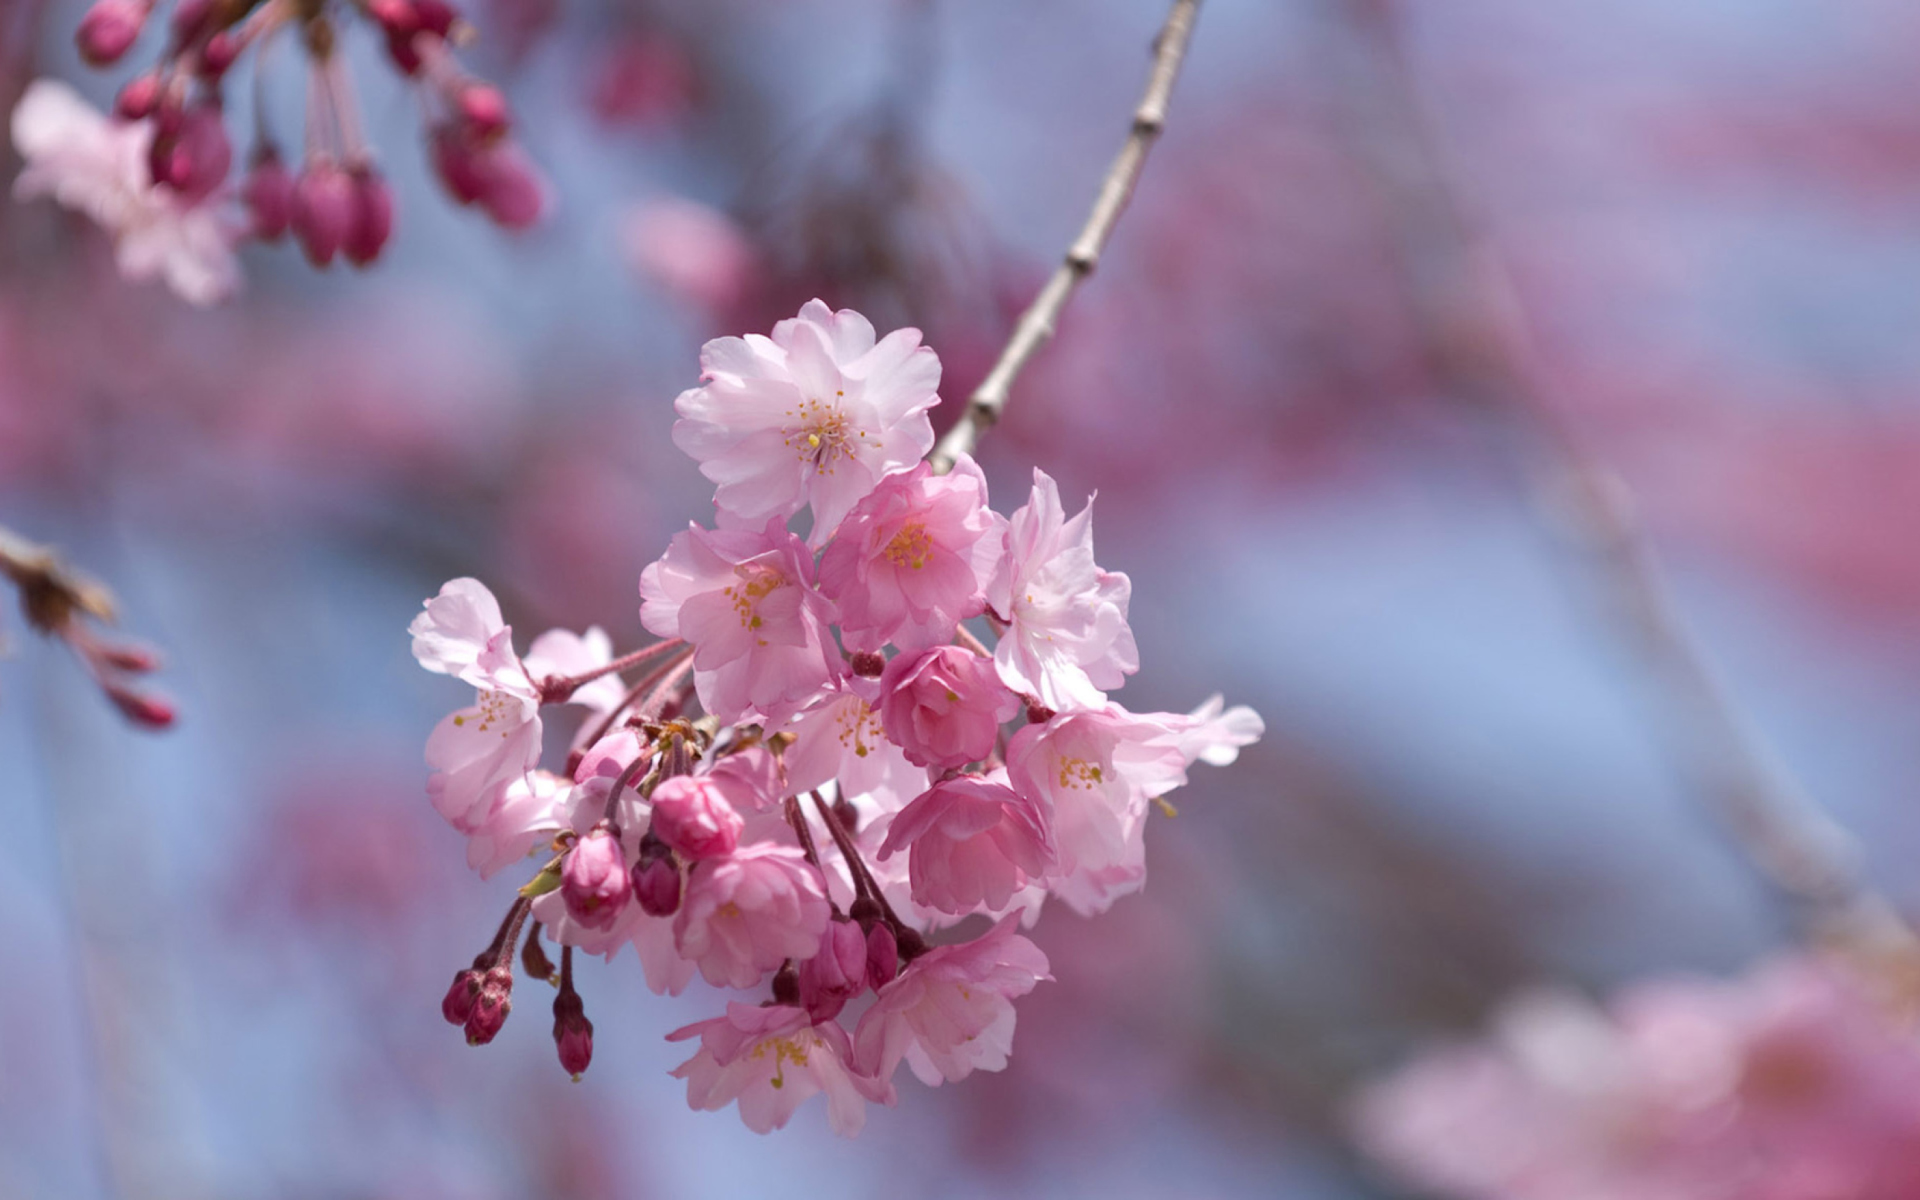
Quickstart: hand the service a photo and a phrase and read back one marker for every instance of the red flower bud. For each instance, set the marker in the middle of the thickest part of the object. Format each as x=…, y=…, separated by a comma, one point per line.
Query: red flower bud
x=109, y=30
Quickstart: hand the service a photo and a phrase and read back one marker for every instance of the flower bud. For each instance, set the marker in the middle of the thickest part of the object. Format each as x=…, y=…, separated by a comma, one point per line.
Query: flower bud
x=139, y=98
x=491, y=1004
x=218, y=55
x=837, y=974
x=191, y=19
x=572, y=1032
x=883, y=955
x=594, y=880
x=109, y=30
x=484, y=111
x=512, y=194
x=141, y=708
x=436, y=16
x=458, y=1005
x=457, y=163
x=691, y=816
x=656, y=880
x=372, y=217
x=322, y=210
x=193, y=156
x=268, y=193
x=127, y=656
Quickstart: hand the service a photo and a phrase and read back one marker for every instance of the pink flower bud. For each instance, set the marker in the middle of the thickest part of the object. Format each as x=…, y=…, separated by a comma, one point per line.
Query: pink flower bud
x=491, y=1004
x=883, y=955
x=218, y=55
x=572, y=1032
x=656, y=881
x=485, y=112
x=457, y=163
x=458, y=1005
x=268, y=193
x=139, y=98
x=944, y=707
x=691, y=816
x=191, y=19
x=141, y=708
x=109, y=30
x=594, y=880
x=193, y=156
x=322, y=210
x=436, y=16
x=837, y=974
x=372, y=221
x=513, y=194
x=126, y=656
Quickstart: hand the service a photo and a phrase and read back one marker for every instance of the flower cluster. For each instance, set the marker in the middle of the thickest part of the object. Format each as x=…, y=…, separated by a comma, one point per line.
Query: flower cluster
x=155, y=172
x=1793, y=1083
x=866, y=775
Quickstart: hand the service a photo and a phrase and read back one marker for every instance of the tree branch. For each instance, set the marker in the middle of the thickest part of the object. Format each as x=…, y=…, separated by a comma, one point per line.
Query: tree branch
x=1037, y=324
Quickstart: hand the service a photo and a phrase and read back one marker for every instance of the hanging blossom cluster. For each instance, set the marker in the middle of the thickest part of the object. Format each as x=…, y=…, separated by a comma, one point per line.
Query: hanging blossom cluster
x=156, y=172
x=1798, y=1082
x=822, y=790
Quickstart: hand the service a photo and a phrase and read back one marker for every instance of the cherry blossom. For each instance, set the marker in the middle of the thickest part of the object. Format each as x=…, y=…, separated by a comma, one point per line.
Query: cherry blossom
x=691, y=814
x=944, y=707
x=746, y=602
x=972, y=843
x=841, y=739
x=912, y=559
x=1067, y=638
x=770, y=1060
x=594, y=882
x=745, y=914
x=950, y=1012
x=98, y=165
x=817, y=414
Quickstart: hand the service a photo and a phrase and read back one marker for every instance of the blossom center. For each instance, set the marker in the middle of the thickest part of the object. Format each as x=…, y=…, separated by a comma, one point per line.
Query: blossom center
x=821, y=434
x=1079, y=773
x=784, y=1050
x=859, y=727
x=497, y=710
x=910, y=547
x=756, y=584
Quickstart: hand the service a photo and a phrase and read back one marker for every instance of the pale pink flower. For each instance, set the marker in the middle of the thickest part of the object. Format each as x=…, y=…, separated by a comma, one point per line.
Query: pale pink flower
x=745, y=914
x=691, y=814
x=745, y=600
x=950, y=1011
x=972, y=843
x=667, y=972
x=944, y=707
x=840, y=740
x=770, y=1059
x=526, y=814
x=816, y=414
x=912, y=560
x=98, y=165
x=594, y=881
x=748, y=779
x=564, y=653
x=1067, y=638
x=691, y=250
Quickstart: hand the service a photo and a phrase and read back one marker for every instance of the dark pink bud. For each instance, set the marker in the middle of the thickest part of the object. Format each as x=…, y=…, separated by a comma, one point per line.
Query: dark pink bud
x=191, y=21
x=656, y=880
x=692, y=816
x=322, y=210
x=572, y=1032
x=485, y=112
x=458, y=1005
x=436, y=16
x=109, y=30
x=138, y=100
x=837, y=973
x=458, y=164
x=194, y=156
x=142, y=708
x=511, y=193
x=883, y=955
x=491, y=1004
x=867, y=664
x=594, y=880
x=268, y=193
x=395, y=16
x=372, y=222
x=218, y=55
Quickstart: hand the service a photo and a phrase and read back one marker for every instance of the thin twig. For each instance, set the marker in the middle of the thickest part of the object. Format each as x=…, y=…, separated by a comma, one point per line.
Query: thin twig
x=1037, y=324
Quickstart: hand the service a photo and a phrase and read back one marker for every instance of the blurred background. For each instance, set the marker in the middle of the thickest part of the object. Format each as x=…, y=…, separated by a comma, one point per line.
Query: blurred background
x=1692, y=227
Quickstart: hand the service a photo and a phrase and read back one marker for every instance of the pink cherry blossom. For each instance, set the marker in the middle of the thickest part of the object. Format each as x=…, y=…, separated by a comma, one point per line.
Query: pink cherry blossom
x=972, y=843
x=950, y=1011
x=691, y=814
x=770, y=1059
x=526, y=814
x=745, y=914
x=1067, y=638
x=912, y=560
x=944, y=707
x=817, y=414
x=840, y=740
x=98, y=165
x=746, y=602
x=651, y=937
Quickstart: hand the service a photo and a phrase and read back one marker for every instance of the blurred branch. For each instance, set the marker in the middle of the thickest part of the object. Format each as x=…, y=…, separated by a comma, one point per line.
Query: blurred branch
x=1037, y=324
x=1480, y=350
